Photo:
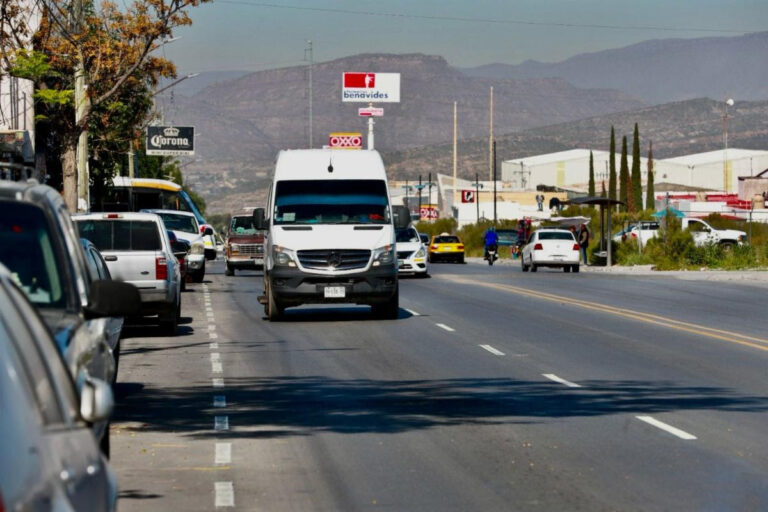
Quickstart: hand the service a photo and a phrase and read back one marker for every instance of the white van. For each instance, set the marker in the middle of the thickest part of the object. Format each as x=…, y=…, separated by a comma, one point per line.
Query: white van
x=330, y=232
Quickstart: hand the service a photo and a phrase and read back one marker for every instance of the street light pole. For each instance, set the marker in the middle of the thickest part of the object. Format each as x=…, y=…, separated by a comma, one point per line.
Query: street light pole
x=478, y=186
x=727, y=103
x=493, y=153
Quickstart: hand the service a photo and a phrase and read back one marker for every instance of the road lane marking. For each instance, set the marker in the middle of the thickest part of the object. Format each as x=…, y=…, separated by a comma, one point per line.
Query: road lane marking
x=214, y=345
x=492, y=350
x=225, y=494
x=213, y=335
x=221, y=423
x=216, y=367
x=443, y=326
x=217, y=382
x=552, y=376
x=682, y=434
x=219, y=401
x=412, y=312
x=215, y=356
x=212, y=327
x=223, y=453
x=671, y=323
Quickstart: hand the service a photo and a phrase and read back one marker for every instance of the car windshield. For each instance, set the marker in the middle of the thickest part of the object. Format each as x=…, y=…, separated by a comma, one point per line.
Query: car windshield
x=27, y=250
x=176, y=222
x=407, y=235
x=242, y=226
x=555, y=235
x=121, y=235
x=331, y=202
x=447, y=240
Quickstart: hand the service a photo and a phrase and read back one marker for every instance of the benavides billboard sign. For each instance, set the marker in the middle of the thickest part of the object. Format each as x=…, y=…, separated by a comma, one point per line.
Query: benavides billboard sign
x=370, y=87
x=170, y=140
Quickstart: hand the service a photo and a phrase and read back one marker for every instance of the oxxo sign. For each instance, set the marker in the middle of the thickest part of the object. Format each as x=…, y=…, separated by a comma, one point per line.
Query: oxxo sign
x=345, y=141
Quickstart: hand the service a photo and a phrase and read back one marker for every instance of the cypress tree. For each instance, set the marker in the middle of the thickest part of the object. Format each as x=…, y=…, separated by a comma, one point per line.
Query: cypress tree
x=591, y=191
x=612, y=175
x=636, y=186
x=603, y=193
x=650, y=200
x=624, y=175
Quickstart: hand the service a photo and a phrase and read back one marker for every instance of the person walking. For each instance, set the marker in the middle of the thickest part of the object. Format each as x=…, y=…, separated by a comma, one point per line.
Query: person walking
x=540, y=201
x=584, y=242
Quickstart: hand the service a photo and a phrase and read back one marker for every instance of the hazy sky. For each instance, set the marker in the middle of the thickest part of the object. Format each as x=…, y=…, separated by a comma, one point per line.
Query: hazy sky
x=252, y=35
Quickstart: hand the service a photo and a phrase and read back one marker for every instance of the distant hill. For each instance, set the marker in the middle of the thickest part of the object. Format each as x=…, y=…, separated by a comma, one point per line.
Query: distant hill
x=660, y=71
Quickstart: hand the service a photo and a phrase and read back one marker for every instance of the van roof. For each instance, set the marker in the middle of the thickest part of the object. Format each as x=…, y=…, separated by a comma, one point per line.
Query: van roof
x=307, y=164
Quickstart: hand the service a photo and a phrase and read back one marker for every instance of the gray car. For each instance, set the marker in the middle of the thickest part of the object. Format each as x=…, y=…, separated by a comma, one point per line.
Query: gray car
x=49, y=458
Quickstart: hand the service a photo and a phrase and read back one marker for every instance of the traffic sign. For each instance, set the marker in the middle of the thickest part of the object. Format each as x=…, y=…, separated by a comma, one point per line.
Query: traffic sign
x=467, y=196
x=370, y=112
x=345, y=140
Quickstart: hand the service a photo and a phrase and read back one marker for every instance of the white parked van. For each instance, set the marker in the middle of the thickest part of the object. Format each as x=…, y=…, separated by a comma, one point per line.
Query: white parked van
x=330, y=232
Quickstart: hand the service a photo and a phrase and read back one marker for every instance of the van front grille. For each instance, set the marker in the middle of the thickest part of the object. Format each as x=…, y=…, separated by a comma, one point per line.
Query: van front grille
x=334, y=259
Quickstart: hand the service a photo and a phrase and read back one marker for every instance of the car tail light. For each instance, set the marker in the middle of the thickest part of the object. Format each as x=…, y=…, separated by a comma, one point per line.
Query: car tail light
x=161, y=268
x=434, y=247
x=538, y=247
x=112, y=216
x=575, y=247
x=461, y=247
x=634, y=235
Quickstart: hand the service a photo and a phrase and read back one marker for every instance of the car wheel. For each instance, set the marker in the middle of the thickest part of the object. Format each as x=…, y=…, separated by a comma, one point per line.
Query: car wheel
x=104, y=444
x=726, y=246
x=534, y=268
x=170, y=321
x=461, y=259
x=524, y=266
x=200, y=274
x=576, y=268
x=566, y=268
x=184, y=283
x=388, y=310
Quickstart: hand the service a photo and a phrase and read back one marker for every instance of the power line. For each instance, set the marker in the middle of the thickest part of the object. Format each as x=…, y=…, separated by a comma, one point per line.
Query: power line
x=401, y=15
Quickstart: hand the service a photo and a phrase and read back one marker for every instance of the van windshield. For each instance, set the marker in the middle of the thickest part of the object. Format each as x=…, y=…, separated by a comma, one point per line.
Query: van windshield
x=331, y=202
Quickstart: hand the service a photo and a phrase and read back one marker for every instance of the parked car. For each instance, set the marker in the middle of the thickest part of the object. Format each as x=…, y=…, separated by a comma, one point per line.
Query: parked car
x=411, y=253
x=181, y=251
x=644, y=230
x=50, y=459
x=244, y=248
x=551, y=247
x=184, y=225
x=137, y=250
x=704, y=234
x=40, y=247
x=445, y=247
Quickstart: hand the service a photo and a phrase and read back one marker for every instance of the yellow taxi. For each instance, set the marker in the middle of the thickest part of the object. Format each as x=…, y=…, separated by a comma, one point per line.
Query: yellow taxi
x=445, y=247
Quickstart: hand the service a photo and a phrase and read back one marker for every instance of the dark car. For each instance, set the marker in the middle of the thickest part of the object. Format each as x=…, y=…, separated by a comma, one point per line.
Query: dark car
x=49, y=459
x=41, y=249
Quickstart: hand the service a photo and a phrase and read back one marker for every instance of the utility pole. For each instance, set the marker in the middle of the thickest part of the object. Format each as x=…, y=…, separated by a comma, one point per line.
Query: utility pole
x=420, y=187
x=478, y=186
x=493, y=168
x=308, y=50
x=429, y=188
x=726, y=182
x=455, y=168
x=490, y=138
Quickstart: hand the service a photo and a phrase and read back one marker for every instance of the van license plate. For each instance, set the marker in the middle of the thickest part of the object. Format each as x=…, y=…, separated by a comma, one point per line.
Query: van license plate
x=334, y=292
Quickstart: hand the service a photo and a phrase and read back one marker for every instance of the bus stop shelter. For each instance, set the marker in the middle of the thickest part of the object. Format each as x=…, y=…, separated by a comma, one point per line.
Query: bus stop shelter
x=602, y=202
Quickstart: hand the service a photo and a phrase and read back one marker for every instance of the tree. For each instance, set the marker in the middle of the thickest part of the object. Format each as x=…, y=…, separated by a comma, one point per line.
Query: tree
x=612, y=163
x=112, y=48
x=624, y=175
x=650, y=199
x=591, y=191
x=636, y=184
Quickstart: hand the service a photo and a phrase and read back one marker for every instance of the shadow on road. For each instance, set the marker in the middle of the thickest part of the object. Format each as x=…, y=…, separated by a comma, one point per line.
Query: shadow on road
x=290, y=406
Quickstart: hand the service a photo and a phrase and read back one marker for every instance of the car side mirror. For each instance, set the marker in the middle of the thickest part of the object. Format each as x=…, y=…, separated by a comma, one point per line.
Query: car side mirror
x=258, y=220
x=208, y=232
x=402, y=216
x=113, y=298
x=96, y=400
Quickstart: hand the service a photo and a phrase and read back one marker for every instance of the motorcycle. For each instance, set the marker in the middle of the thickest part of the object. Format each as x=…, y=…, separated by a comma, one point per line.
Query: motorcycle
x=491, y=253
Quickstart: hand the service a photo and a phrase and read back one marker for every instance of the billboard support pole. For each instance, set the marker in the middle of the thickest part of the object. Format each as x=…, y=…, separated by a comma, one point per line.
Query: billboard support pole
x=370, y=129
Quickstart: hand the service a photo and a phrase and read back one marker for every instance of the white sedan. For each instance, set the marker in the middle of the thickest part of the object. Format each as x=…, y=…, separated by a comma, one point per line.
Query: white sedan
x=550, y=247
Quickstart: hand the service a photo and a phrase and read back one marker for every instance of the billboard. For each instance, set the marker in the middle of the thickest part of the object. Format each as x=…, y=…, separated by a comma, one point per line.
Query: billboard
x=170, y=140
x=370, y=87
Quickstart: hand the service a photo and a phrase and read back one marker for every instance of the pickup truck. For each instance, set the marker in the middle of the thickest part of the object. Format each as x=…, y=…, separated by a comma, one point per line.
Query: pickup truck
x=704, y=234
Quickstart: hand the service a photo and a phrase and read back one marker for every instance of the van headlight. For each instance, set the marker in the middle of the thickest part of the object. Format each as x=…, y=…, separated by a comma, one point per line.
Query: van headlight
x=283, y=257
x=234, y=247
x=197, y=248
x=420, y=253
x=384, y=255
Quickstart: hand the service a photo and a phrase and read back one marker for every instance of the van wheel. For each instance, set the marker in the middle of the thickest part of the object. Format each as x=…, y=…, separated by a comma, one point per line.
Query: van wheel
x=230, y=271
x=388, y=310
x=274, y=310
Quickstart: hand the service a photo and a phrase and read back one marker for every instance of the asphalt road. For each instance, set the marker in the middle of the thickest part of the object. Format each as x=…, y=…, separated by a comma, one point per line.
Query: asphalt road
x=494, y=390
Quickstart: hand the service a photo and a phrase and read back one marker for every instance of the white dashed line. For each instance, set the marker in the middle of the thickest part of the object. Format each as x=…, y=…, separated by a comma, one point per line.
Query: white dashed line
x=552, y=376
x=221, y=423
x=215, y=356
x=682, y=434
x=216, y=367
x=214, y=345
x=223, y=453
x=443, y=326
x=225, y=494
x=219, y=401
x=212, y=327
x=213, y=335
x=217, y=382
x=492, y=350
x=412, y=312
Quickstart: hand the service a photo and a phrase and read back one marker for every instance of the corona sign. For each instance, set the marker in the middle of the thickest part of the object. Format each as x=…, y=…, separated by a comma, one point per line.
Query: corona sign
x=345, y=140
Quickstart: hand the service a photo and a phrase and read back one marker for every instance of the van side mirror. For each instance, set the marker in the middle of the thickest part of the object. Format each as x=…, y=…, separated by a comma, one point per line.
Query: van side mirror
x=96, y=400
x=113, y=298
x=402, y=216
x=208, y=232
x=258, y=220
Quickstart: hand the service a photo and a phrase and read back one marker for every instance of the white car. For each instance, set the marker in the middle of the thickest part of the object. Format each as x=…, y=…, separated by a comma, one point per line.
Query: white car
x=411, y=252
x=646, y=230
x=184, y=225
x=551, y=247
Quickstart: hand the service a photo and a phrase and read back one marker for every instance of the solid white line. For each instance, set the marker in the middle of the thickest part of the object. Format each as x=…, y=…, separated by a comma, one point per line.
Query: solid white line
x=225, y=494
x=217, y=382
x=213, y=335
x=216, y=367
x=213, y=345
x=219, y=401
x=223, y=453
x=552, y=376
x=221, y=423
x=215, y=356
x=682, y=434
x=492, y=350
x=414, y=313
x=443, y=326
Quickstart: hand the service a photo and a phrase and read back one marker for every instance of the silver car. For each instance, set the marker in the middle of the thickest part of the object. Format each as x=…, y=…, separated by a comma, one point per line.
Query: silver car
x=49, y=459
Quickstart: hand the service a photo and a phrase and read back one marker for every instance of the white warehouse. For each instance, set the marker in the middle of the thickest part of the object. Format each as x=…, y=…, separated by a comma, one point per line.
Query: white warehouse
x=710, y=170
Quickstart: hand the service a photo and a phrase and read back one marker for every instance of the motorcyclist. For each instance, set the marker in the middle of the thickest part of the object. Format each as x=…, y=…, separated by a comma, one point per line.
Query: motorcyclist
x=491, y=240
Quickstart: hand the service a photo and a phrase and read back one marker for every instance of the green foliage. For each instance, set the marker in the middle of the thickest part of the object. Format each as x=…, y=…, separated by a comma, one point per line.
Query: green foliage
x=636, y=185
x=591, y=190
x=650, y=199
x=624, y=175
x=612, y=163
x=55, y=98
x=31, y=65
x=219, y=221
